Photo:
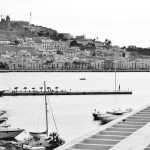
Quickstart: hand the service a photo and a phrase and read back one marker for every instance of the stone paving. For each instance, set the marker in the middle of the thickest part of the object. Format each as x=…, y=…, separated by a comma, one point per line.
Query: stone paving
x=129, y=132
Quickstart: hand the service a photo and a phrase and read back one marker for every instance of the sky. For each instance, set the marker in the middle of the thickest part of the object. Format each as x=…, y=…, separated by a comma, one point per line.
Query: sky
x=124, y=22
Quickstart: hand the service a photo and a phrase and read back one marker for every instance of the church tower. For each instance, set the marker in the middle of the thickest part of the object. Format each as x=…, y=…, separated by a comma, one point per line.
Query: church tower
x=8, y=23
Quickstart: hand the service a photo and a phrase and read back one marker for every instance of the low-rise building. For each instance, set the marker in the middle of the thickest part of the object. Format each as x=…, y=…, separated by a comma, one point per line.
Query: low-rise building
x=4, y=42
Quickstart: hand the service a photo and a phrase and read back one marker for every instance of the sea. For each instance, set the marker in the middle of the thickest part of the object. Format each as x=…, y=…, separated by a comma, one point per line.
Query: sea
x=70, y=115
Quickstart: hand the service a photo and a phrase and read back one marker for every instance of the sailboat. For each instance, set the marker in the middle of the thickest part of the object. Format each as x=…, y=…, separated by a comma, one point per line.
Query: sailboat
x=42, y=138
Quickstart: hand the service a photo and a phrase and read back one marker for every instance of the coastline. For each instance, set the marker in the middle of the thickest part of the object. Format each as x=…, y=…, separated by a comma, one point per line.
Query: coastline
x=39, y=93
x=3, y=71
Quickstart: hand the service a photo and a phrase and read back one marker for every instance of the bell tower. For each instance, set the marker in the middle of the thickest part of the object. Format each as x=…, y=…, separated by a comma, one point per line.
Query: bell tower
x=8, y=22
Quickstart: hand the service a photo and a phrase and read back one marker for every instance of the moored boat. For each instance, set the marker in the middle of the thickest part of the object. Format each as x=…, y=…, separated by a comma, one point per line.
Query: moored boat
x=82, y=78
x=7, y=133
x=115, y=112
x=98, y=116
x=109, y=115
x=44, y=139
x=2, y=112
x=1, y=92
x=3, y=120
x=119, y=112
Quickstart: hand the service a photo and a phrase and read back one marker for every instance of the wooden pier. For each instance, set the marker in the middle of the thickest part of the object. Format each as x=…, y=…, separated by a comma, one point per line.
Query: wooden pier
x=38, y=93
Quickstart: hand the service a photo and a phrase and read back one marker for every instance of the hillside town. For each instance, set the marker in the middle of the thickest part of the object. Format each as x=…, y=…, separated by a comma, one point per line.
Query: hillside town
x=27, y=47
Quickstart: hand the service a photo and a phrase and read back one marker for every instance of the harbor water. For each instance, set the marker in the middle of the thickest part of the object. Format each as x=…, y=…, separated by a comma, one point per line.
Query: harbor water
x=72, y=113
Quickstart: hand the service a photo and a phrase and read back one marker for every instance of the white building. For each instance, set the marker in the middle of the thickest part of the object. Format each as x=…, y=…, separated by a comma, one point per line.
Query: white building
x=4, y=42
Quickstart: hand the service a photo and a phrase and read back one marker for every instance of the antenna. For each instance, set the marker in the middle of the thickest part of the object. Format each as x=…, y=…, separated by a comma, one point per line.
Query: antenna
x=30, y=19
x=2, y=16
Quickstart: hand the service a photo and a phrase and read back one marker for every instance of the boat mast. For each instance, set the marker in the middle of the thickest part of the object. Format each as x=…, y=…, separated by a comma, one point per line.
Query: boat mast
x=115, y=70
x=46, y=111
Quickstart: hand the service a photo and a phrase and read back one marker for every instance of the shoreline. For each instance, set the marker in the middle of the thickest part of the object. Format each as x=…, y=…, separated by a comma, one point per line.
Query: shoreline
x=74, y=71
x=38, y=93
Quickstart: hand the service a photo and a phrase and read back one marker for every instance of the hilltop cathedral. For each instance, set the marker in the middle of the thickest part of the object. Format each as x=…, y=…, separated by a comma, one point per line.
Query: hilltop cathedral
x=8, y=25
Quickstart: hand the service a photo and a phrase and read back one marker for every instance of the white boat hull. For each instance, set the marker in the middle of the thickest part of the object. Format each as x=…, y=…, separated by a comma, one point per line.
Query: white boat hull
x=9, y=133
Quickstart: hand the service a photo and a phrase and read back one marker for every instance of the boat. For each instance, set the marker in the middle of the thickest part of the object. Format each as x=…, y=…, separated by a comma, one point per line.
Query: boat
x=9, y=133
x=119, y=112
x=6, y=132
x=38, y=139
x=2, y=112
x=1, y=92
x=114, y=115
x=82, y=78
x=2, y=120
x=115, y=112
x=109, y=115
x=99, y=116
x=4, y=125
x=104, y=118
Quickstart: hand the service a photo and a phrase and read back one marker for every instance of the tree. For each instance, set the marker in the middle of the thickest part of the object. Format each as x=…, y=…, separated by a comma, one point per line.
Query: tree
x=25, y=88
x=15, y=88
x=66, y=64
x=55, y=141
x=124, y=47
x=49, y=89
x=54, y=36
x=41, y=88
x=60, y=36
x=56, y=88
x=16, y=42
x=76, y=62
x=33, y=89
x=107, y=42
x=3, y=65
x=47, y=34
x=73, y=43
x=59, y=52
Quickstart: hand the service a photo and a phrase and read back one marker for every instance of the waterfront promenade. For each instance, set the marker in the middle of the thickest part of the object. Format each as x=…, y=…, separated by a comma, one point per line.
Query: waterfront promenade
x=129, y=132
x=5, y=71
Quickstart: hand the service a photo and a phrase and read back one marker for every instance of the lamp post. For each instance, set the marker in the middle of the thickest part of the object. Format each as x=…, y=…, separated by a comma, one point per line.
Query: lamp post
x=115, y=70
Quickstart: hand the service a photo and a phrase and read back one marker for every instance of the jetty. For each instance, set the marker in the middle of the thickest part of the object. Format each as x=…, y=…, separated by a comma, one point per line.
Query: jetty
x=38, y=93
x=129, y=132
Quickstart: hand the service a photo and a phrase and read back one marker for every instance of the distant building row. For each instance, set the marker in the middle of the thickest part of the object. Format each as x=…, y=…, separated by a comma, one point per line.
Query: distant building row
x=97, y=65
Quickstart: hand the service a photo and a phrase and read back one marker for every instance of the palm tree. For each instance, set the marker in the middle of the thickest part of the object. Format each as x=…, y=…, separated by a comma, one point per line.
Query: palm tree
x=41, y=88
x=33, y=89
x=56, y=89
x=25, y=88
x=15, y=88
x=108, y=42
x=55, y=140
x=49, y=89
